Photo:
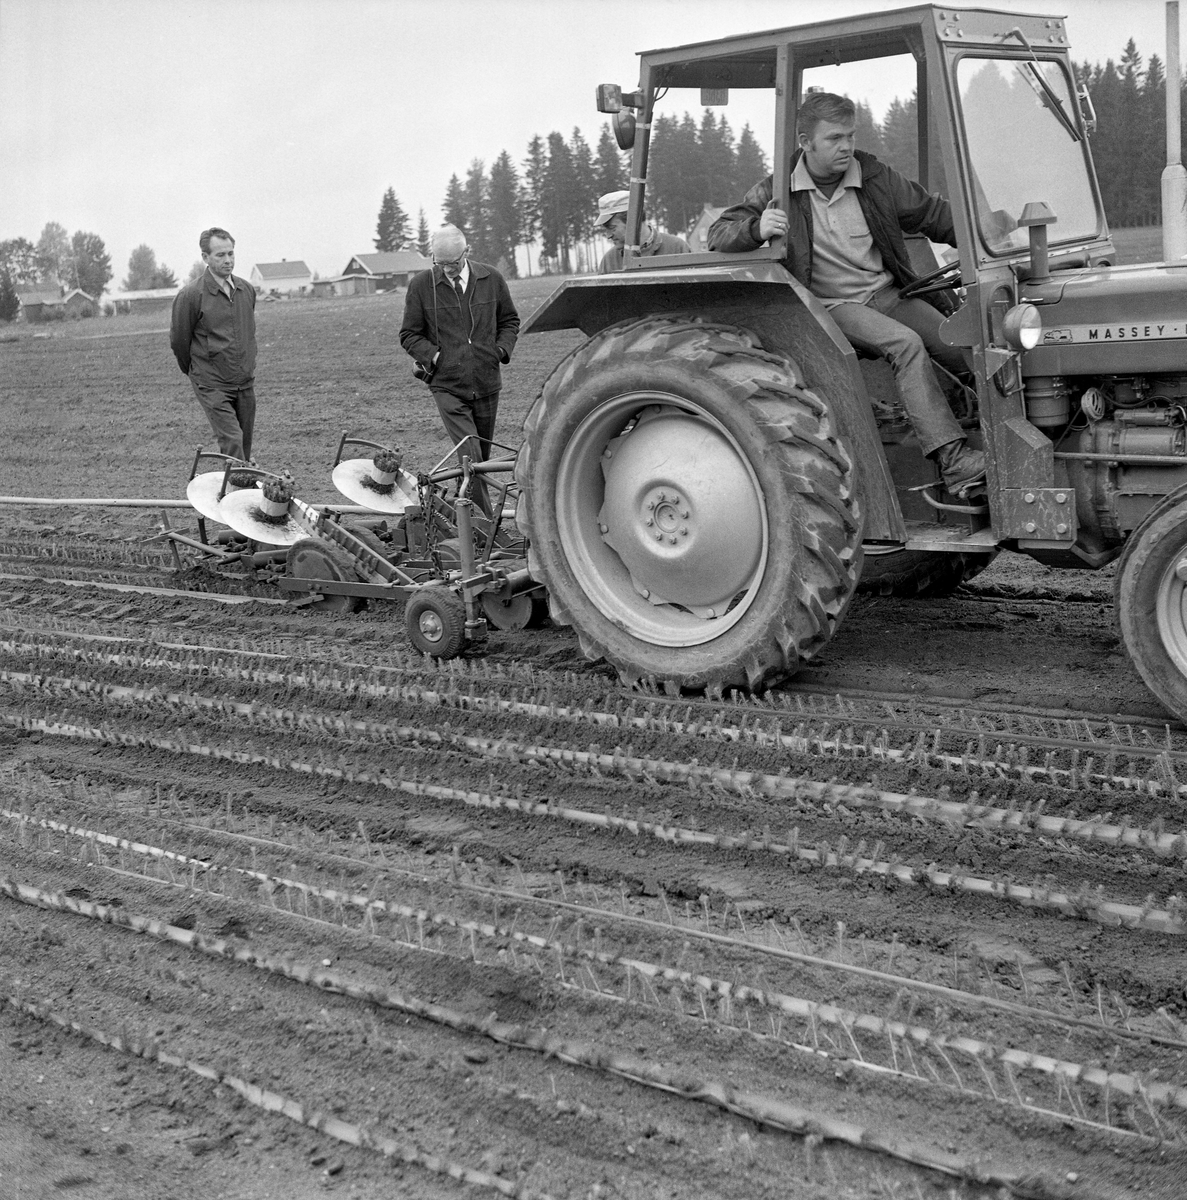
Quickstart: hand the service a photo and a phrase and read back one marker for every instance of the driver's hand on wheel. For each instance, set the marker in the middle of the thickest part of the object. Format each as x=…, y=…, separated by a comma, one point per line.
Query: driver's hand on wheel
x=773, y=223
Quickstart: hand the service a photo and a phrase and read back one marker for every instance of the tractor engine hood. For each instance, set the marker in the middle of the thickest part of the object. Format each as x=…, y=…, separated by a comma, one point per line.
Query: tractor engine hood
x=1110, y=321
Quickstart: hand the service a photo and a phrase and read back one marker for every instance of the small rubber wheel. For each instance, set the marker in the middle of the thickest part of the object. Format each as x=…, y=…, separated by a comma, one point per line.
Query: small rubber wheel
x=311, y=558
x=1151, y=602
x=436, y=622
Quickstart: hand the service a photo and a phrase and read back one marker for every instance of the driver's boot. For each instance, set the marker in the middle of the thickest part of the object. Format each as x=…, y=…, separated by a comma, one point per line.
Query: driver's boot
x=962, y=467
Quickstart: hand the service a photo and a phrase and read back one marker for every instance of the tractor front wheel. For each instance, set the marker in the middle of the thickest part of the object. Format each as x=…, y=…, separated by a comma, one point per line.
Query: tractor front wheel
x=1151, y=599
x=688, y=505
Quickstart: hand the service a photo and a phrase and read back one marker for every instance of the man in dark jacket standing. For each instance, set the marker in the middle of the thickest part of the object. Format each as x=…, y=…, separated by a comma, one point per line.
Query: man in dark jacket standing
x=459, y=326
x=844, y=239
x=213, y=338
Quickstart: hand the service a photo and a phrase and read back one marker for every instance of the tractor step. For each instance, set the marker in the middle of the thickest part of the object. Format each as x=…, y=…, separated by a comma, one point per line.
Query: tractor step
x=925, y=535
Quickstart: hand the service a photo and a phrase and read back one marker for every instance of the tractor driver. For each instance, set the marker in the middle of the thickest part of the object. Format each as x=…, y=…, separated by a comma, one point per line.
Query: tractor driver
x=844, y=242
x=611, y=221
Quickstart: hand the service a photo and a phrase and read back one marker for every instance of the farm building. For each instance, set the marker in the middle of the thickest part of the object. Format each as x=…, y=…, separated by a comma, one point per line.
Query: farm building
x=145, y=300
x=80, y=304
x=284, y=278
x=389, y=268
x=345, y=285
x=699, y=230
x=40, y=303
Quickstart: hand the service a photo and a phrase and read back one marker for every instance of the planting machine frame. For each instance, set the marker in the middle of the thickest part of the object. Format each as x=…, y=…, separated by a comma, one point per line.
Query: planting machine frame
x=456, y=572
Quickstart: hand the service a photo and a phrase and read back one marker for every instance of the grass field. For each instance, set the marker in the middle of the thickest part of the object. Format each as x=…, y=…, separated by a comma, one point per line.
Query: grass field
x=99, y=408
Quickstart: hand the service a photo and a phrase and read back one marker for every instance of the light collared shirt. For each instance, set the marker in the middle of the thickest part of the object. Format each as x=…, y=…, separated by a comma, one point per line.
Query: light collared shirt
x=463, y=275
x=846, y=265
x=226, y=286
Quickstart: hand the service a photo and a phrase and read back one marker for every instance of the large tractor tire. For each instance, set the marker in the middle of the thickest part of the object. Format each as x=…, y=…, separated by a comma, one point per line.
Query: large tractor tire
x=920, y=574
x=1151, y=601
x=688, y=505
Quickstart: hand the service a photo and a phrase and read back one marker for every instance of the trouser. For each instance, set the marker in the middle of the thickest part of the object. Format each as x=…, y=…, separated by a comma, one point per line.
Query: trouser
x=472, y=423
x=907, y=334
x=232, y=415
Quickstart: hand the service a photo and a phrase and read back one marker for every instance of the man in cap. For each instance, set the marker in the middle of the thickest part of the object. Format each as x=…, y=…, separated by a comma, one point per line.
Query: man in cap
x=843, y=239
x=612, y=222
x=213, y=338
x=459, y=326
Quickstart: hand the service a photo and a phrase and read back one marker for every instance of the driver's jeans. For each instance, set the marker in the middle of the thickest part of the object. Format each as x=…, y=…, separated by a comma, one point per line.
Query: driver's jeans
x=907, y=334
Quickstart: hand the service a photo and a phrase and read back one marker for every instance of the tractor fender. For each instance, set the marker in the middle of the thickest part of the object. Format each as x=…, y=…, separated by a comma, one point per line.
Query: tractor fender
x=763, y=297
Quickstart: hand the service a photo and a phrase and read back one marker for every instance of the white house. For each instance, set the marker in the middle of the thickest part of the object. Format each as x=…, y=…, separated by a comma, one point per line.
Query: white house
x=284, y=278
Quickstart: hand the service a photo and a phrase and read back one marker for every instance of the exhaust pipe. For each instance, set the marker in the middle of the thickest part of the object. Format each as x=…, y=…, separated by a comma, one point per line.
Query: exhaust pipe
x=1174, y=177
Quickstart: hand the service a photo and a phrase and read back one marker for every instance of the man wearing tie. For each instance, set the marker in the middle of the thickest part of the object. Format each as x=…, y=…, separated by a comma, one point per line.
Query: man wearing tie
x=459, y=326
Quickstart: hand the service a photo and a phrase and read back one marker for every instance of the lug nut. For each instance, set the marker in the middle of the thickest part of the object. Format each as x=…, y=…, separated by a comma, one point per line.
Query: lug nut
x=684, y=514
x=684, y=531
x=650, y=521
x=650, y=505
x=659, y=537
x=672, y=539
x=662, y=497
x=604, y=528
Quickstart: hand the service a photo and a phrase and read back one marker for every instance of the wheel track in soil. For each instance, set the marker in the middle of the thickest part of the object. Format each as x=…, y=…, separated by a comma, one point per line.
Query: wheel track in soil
x=817, y=908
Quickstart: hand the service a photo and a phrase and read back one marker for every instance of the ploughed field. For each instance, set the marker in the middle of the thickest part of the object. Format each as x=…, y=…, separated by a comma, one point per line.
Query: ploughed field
x=285, y=909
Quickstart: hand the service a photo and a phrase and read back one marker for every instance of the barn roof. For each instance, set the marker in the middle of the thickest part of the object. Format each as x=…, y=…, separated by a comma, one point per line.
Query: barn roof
x=391, y=262
x=39, y=296
x=289, y=269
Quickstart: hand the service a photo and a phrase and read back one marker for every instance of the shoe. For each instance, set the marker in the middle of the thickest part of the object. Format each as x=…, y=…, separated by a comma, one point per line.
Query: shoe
x=962, y=468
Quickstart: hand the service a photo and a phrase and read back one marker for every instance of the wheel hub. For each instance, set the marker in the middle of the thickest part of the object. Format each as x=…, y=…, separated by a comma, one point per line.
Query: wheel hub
x=430, y=626
x=681, y=512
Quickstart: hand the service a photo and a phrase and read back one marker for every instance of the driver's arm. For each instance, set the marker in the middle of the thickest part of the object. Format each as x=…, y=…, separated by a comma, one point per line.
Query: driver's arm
x=920, y=211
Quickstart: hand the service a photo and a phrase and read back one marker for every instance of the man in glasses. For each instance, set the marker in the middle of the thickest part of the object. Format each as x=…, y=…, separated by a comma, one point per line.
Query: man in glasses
x=459, y=326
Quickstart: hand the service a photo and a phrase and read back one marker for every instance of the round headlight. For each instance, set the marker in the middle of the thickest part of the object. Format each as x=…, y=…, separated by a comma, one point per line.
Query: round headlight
x=1022, y=327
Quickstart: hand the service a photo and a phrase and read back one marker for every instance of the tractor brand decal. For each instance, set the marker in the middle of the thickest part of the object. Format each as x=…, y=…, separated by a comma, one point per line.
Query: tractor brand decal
x=1147, y=331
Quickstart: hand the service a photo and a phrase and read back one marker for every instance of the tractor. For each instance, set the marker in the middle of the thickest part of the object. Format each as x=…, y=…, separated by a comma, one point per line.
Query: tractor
x=709, y=477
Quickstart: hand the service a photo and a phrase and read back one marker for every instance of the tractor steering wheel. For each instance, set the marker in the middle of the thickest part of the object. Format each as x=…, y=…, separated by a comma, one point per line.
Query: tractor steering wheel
x=939, y=280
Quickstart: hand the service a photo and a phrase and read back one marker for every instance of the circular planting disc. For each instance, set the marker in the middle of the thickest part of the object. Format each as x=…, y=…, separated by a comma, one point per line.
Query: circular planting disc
x=241, y=511
x=350, y=478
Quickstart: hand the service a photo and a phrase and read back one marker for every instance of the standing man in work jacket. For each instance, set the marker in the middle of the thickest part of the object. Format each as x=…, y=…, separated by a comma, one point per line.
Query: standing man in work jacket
x=844, y=242
x=213, y=338
x=459, y=326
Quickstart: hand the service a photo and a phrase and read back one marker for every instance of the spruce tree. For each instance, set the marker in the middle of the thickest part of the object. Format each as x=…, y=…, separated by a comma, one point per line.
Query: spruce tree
x=454, y=208
x=10, y=302
x=476, y=210
x=422, y=235
x=505, y=219
x=391, y=229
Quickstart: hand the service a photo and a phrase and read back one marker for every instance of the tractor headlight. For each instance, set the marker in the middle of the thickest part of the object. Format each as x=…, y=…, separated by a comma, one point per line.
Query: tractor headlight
x=1022, y=327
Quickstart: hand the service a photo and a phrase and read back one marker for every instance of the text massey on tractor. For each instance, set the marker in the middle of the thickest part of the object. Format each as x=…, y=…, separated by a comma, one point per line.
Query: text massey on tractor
x=705, y=481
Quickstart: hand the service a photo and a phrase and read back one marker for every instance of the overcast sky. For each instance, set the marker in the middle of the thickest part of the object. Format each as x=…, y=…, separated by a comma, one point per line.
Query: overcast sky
x=145, y=121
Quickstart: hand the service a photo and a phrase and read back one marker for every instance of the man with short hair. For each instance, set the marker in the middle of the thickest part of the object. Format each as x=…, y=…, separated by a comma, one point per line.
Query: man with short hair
x=459, y=326
x=213, y=338
x=844, y=242
x=611, y=221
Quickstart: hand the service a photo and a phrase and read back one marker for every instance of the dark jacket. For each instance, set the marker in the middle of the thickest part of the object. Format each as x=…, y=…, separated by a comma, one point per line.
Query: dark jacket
x=892, y=204
x=474, y=335
x=213, y=337
x=660, y=243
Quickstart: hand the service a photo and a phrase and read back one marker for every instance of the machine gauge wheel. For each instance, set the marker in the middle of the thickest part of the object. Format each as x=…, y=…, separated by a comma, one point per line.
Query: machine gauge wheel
x=436, y=622
x=314, y=559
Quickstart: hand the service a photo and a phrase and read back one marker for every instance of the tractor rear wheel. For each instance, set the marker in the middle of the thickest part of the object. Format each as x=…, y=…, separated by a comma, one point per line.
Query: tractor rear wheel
x=688, y=505
x=311, y=558
x=1151, y=601
x=920, y=573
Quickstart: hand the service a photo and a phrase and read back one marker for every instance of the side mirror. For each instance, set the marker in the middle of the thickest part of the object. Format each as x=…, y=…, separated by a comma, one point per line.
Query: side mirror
x=609, y=98
x=623, y=123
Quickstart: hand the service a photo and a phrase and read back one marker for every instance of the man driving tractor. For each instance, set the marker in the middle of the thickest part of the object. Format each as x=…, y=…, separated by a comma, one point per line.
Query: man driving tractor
x=844, y=242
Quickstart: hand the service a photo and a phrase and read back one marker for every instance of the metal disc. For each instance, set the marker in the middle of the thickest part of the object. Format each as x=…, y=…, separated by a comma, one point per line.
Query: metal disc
x=241, y=511
x=348, y=478
x=202, y=492
x=507, y=615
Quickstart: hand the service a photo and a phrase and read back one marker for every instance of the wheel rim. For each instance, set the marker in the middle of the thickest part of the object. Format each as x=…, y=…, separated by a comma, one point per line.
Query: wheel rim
x=1171, y=610
x=431, y=627
x=662, y=519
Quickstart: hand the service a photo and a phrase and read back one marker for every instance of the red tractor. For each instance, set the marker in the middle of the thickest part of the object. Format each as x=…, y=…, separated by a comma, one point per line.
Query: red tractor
x=707, y=479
